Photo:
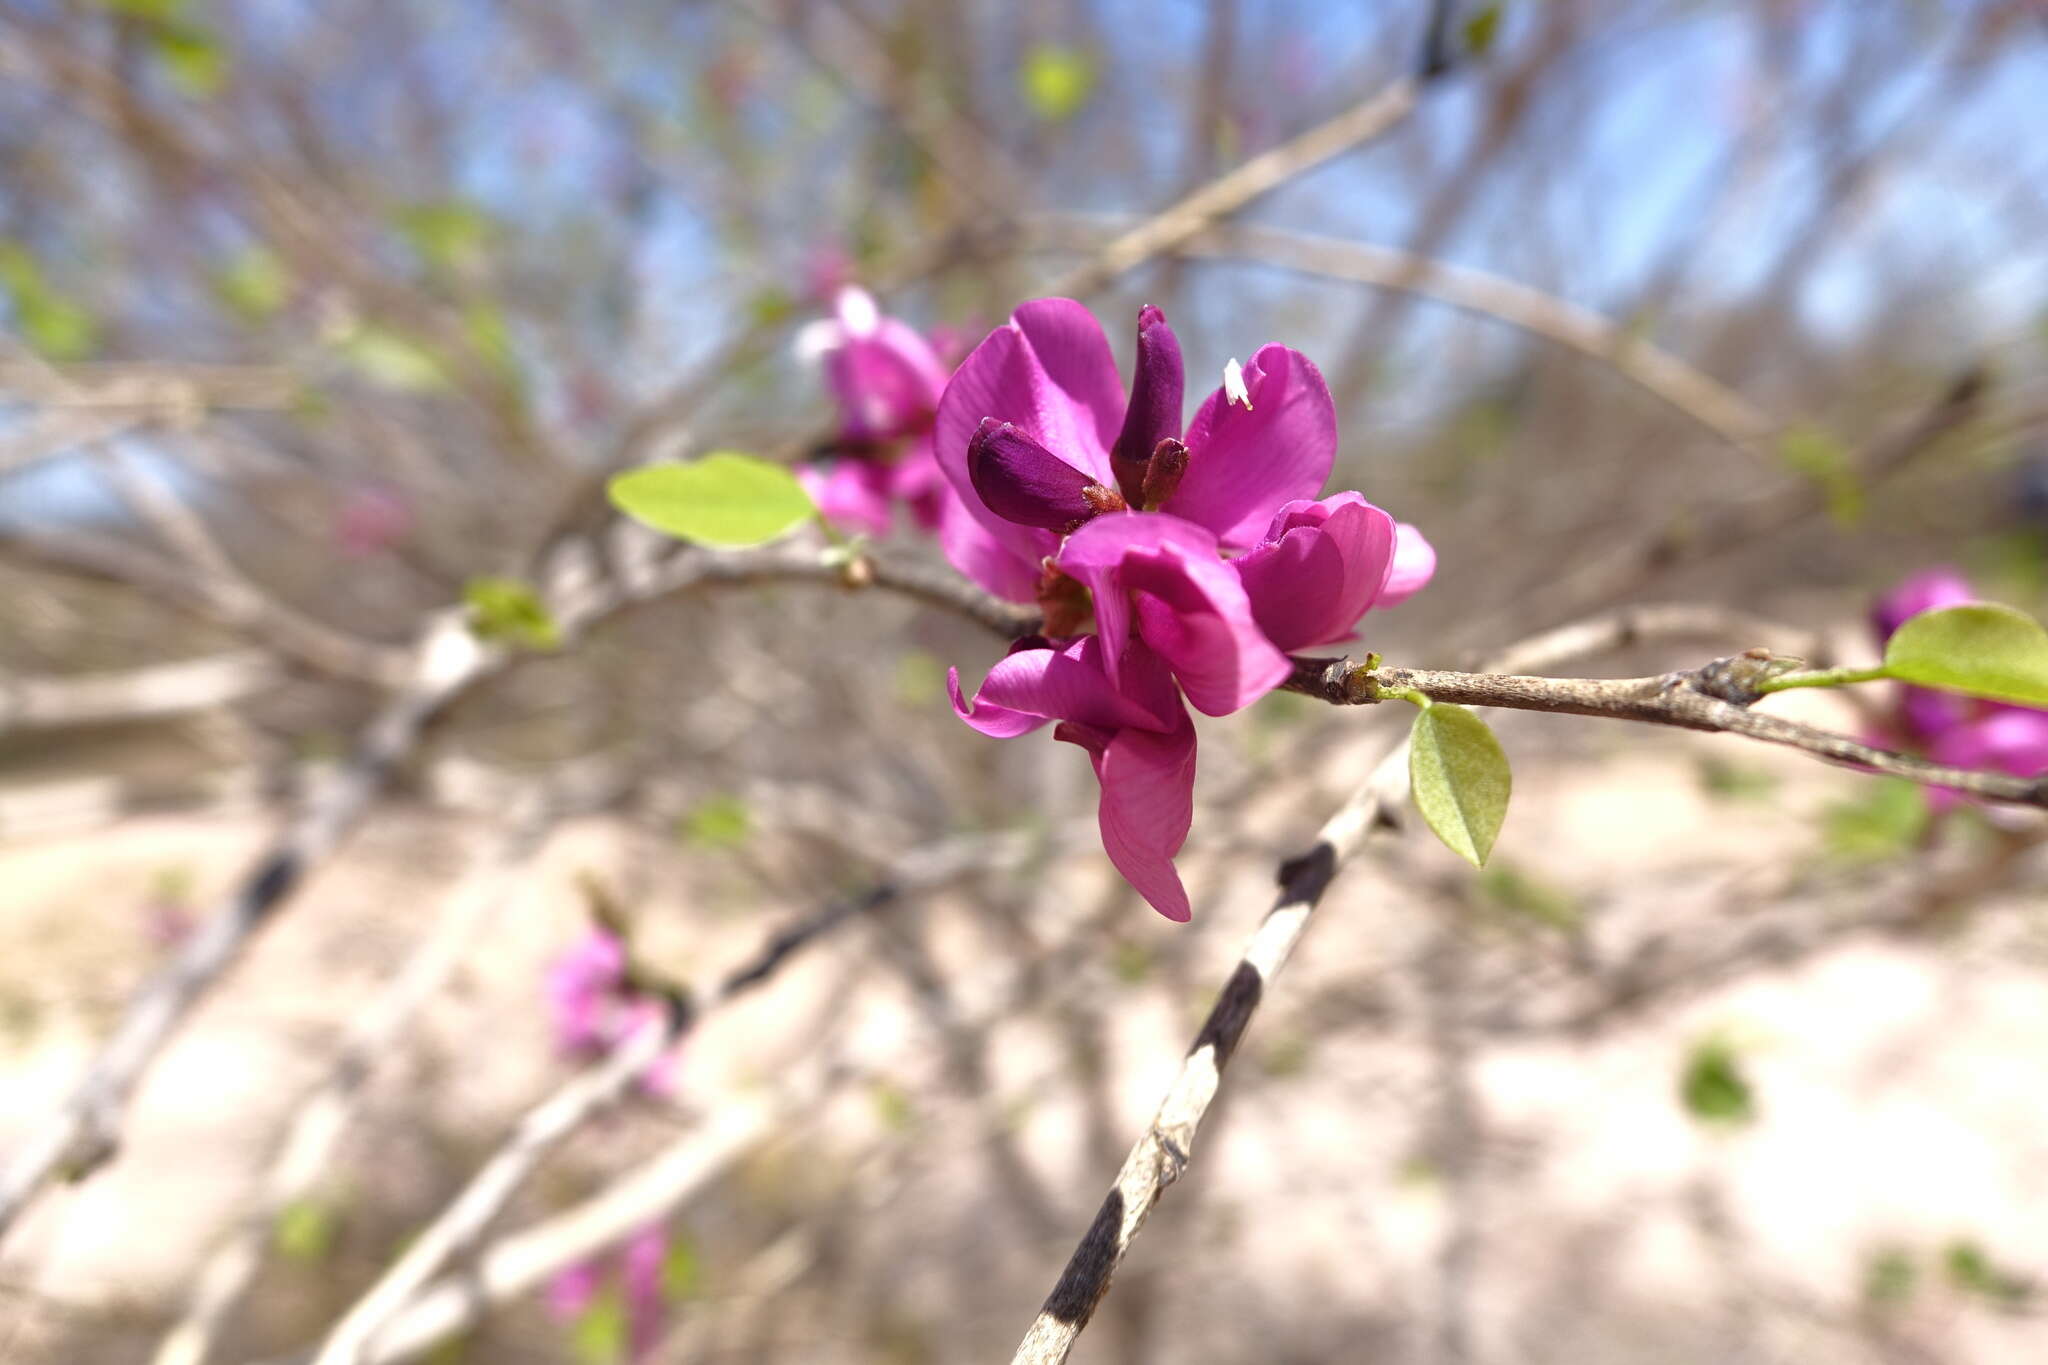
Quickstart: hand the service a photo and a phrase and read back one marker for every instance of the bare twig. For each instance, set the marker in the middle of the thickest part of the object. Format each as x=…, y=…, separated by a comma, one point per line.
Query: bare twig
x=137, y=694
x=447, y=664
x=1163, y=1151
x=1715, y=697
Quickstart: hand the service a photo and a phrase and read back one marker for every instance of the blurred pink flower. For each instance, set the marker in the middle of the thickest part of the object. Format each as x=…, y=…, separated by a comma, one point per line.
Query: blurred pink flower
x=886, y=380
x=641, y=1266
x=1199, y=560
x=371, y=520
x=1962, y=732
x=595, y=1006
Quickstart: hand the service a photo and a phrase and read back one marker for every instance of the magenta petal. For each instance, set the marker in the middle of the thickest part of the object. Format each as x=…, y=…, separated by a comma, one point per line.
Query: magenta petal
x=1414, y=565
x=1924, y=591
x=2011, y=741
x=974, y=550
x=1148, y=804
x=1021, y=481
x=1075, y=358
x=1192, y=610
x=854, y=495
x=986, y=716
x=1324, y=571
x=1243, y=463
x=1068, y=683
x=573, y=1290
x=1157, y=383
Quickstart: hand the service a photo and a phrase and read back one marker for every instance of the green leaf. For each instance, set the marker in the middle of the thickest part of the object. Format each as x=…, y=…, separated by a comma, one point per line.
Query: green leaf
x=1983, y=649
x=1973, y=1271
x=682, y=1270
x=1713, y=1087
x=158, y=11
x=1057, y=81
x=719, y=822
x=255, y=284
x=304, y=1231
x=394, y=361
x=1810, y=451
x=510, y=612
x=192, y=58
x=1460, y=778
x=57, y=326
x=448, y=234
x=600, y=1336
x=1481, y=29
x=892, y=1106
x=1889, y=1277
x=1885, y=823
x=726, y=499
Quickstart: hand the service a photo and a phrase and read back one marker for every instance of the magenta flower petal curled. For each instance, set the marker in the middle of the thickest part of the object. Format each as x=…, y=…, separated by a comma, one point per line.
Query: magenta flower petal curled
x=1065, y=682
x=1245, y=462
x=1148, y=805
x=885, y=377
x=1191, y=609
x=1414, y=566
x=1320, y=568
x=852, y=494
x=1021, y=481
x=1048, y=371
x=1158, y=381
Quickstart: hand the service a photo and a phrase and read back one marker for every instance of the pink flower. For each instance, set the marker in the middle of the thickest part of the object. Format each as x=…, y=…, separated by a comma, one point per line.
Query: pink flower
x=1198, y=558
x=571, y=1292
x=886, y=380
x=641, y=1265
x=595, y=1006
x=1136, y=732
x=1962, y=732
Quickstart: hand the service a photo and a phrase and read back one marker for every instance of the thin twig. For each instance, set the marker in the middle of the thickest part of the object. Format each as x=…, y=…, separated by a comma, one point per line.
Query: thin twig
x=447, y=664
x=1163, y=1151
x=1715, y=697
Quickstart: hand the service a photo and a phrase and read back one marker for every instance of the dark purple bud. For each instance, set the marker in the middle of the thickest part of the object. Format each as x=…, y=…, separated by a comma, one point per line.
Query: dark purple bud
x=1162, y=475
x=1154, y=412
x=1020, y=480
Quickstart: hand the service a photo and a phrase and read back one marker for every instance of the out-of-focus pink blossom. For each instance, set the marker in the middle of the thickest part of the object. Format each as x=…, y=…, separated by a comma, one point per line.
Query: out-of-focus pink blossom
x=371, y=520
x=1167, y=563
x=886, y=380
x=1962, y=732
x=595, y=1006
x=641, y=1267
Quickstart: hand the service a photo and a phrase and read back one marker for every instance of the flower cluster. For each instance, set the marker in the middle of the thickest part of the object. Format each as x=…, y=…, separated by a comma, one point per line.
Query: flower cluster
x=1174, y=566
x=1962, y=732
x=642, y=1277
x=595, y=1005
x=886, y=380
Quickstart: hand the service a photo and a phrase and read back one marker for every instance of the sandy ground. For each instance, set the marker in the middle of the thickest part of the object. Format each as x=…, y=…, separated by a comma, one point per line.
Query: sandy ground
x=1453, y=1133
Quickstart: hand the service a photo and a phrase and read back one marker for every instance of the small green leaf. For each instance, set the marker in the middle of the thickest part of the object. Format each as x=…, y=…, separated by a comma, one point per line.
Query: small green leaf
x=1482, y=28
x=192, y=58
x=510, y=612
x=1884, y=823
x=304, y=1231
x=394, y=361
x=600, y=1336
x=56, y=325
x=719, y=822
x=254, y=284
x=1713, y=1087
x=1057, y=81
x=682, y=1270
x=1972, y=1270
x=448, y=234
x=1460, y=778
x=725, y=499
x=1982, y=648
x=892, y=1106
x=1813, y=452
x=1889, y=1277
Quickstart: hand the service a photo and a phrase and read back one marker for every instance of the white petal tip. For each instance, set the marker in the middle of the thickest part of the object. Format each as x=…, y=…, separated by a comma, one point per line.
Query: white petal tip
x=1234, y=390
